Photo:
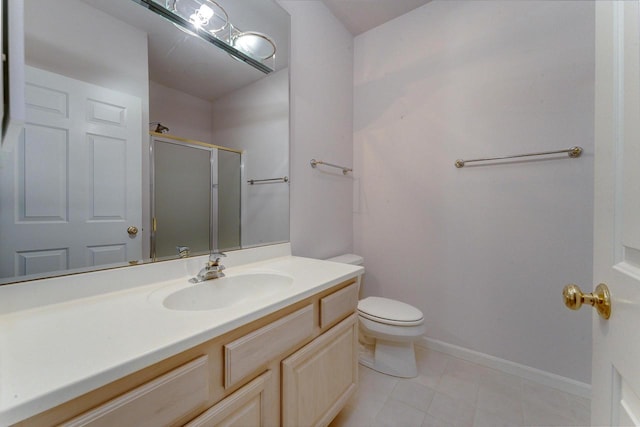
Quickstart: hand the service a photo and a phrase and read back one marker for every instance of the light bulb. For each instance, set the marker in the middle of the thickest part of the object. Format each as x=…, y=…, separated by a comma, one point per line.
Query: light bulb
x=254, y=44
x=205, y=12
x=202, y=16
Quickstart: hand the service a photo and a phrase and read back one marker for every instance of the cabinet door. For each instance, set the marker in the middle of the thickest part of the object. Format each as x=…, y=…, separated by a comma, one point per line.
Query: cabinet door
x=318, y=379
x=247, y=407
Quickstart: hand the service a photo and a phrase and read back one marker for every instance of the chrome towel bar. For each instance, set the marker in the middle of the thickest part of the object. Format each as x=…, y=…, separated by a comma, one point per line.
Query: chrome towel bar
x=573, y=152
x=283, y=179
x=315, y=163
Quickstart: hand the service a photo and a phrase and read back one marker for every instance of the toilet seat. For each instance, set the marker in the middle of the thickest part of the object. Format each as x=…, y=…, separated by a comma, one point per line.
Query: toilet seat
x=389, y=312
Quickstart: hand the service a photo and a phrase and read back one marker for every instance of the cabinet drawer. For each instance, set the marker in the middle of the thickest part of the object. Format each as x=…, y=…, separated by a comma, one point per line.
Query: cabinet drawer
x=245, y=407
x=249, y=353
x=338, y=305
x=161, y=401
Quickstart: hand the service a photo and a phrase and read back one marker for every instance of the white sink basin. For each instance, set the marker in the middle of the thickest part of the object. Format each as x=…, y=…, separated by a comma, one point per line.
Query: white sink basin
x=227, y=291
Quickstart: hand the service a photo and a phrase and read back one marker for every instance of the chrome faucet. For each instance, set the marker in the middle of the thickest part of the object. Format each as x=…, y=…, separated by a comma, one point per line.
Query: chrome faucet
x=212, y=270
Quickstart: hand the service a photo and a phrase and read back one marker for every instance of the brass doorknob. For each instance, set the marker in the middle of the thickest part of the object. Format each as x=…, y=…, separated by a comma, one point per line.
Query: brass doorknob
x=133, y=231
x=600, y=299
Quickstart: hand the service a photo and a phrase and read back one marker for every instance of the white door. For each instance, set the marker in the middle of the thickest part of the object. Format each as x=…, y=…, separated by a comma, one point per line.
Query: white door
x=72, y=185
x=616, y=342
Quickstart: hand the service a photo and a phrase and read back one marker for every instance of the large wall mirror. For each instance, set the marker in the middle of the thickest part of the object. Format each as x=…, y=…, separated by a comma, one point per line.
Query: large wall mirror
x=92, y=183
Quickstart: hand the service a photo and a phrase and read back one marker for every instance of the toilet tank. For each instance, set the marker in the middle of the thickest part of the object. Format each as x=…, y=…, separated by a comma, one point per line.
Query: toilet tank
x=348, y=259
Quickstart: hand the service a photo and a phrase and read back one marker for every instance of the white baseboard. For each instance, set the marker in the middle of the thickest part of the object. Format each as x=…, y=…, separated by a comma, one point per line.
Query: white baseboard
x=532, y=374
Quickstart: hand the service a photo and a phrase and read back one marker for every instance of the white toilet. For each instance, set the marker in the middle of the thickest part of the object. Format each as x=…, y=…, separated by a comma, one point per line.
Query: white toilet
x=389, y=328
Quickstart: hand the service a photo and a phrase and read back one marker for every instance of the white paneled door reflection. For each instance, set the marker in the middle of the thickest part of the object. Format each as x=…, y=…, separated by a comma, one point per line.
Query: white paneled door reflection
x=72, y=184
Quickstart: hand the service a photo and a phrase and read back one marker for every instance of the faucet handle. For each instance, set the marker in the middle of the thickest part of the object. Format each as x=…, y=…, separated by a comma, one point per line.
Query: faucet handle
x=183, y=251
x=214, y=258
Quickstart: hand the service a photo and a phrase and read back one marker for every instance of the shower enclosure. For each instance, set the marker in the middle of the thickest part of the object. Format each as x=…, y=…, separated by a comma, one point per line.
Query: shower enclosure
x=195, y=197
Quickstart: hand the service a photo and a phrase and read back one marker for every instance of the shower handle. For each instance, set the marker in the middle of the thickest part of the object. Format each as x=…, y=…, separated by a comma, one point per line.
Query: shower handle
x=600, y=299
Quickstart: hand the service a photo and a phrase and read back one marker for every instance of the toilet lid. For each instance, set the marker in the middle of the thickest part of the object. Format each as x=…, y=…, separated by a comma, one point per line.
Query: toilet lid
x=391, y=312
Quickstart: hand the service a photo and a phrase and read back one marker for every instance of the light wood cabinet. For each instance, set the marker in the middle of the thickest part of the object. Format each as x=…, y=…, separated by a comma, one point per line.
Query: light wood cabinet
x=338, y=305
x=318, y=380
x=250, y=352
x=164, y=400
x=294, y=367
x=245, y=407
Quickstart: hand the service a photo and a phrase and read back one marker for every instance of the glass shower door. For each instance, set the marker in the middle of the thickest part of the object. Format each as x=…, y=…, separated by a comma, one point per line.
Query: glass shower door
x=183, y=187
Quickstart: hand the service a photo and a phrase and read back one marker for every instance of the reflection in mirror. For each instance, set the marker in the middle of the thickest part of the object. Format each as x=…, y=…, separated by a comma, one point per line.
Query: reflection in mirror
x=195, y=197
x=77, y=183
x=229, y=204
x=209, y=20
x=254, y=44
x=181, y=201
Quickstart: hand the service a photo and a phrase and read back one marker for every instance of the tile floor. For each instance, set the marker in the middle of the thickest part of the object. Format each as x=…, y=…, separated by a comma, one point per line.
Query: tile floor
x=451, y=392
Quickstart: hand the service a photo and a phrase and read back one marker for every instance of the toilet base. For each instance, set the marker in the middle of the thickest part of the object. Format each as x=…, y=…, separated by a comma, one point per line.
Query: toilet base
x=392, y=358
x=365, y=355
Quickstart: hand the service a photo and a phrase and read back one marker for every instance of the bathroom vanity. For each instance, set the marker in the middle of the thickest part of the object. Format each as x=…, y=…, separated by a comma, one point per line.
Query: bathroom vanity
x=123, y=358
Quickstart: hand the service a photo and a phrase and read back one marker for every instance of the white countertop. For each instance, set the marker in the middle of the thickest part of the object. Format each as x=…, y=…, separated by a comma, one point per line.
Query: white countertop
x=55, y=352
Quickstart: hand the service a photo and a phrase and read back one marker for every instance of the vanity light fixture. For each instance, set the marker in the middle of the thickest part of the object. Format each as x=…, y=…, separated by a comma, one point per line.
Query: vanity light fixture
x=202, y=14
x=208, y=20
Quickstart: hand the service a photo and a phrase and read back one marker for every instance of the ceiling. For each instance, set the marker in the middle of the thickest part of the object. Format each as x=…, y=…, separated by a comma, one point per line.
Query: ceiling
x=359, y=16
